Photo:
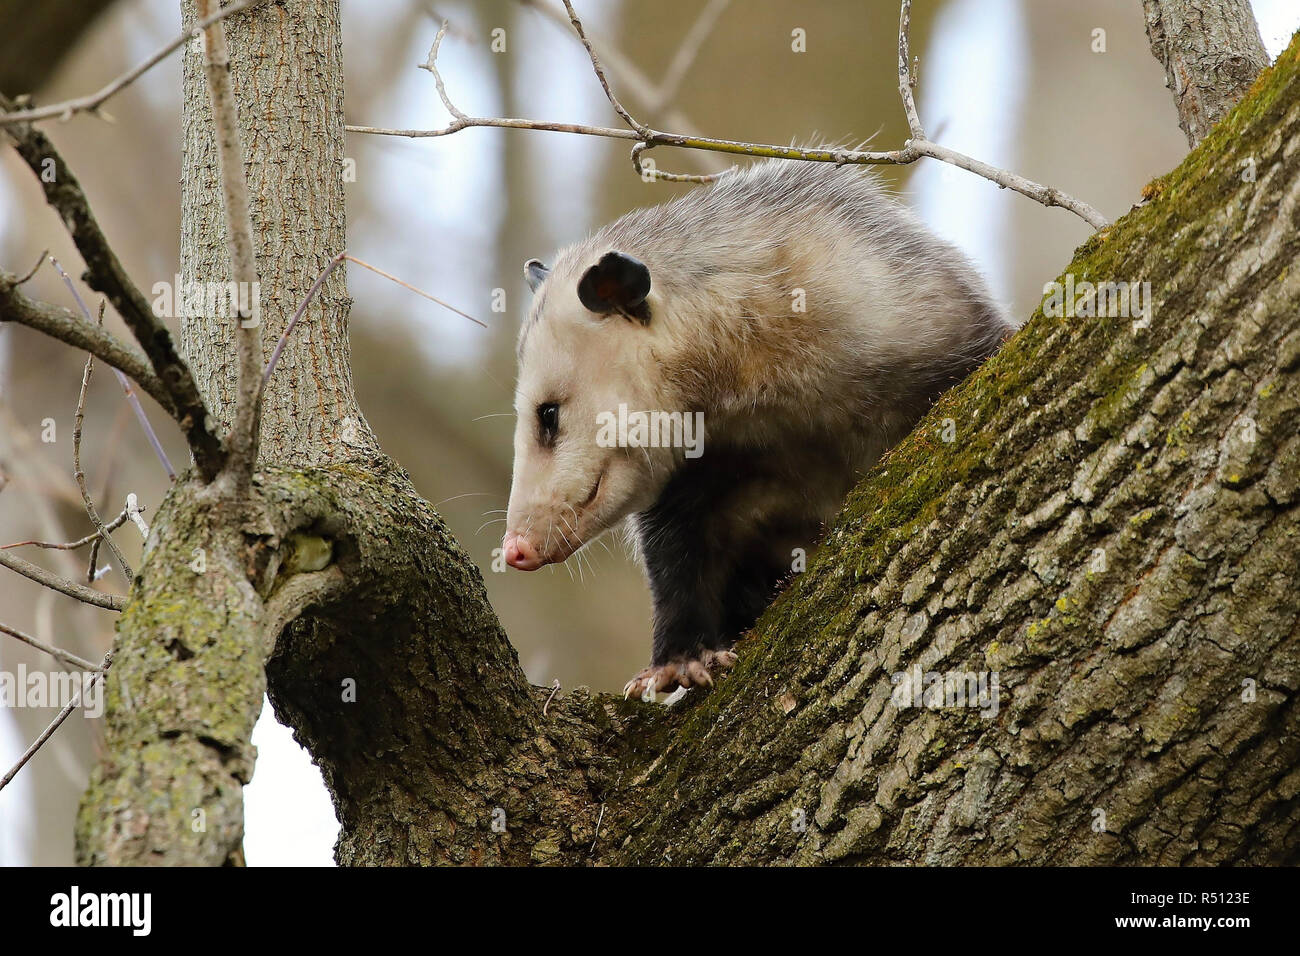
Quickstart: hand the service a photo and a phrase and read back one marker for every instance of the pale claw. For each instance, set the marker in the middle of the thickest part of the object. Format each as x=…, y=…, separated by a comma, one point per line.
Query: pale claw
x=691, y=671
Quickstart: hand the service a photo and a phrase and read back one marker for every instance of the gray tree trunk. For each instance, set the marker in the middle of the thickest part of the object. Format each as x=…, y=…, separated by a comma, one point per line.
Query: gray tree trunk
x=1211, y=51
x=1112, y=532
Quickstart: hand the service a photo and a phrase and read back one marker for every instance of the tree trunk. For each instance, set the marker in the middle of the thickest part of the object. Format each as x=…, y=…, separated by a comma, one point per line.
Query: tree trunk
x=1112, y=533
x=1211, y=51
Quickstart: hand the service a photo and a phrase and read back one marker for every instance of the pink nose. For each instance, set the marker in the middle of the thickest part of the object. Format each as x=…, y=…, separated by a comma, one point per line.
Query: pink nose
x=520, y=553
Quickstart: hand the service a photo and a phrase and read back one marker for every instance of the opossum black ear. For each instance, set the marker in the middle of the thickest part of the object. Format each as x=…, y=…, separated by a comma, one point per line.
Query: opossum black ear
x=535, y=273
x=617, y=283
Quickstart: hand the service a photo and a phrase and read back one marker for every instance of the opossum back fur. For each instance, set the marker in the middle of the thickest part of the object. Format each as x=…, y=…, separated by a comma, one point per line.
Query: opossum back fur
x=791, y=286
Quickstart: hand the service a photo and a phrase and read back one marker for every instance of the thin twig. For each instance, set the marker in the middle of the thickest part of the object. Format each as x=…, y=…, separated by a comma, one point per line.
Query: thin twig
x=129, y=391
x=667, y=177
x=619, y=108
x=177, y=389
x=242, y=442
x=66, y=656
x=906, y=84
x=69, y=545
x=406, y=285
x=94, y=101
x=131, y=397
x=431, y=64
x=34, y=269
x=134, y=512
x=67, y=327
x=913, y=150
x=500, y=122
x=92, y=571
x=333, y=264
x=80, y=476
x=110, y=602
x=57, y=722
x=656, y=99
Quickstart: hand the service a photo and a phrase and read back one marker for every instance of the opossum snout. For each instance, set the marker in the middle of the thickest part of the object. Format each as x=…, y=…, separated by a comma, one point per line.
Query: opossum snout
x=520, y=553
x=562, y=536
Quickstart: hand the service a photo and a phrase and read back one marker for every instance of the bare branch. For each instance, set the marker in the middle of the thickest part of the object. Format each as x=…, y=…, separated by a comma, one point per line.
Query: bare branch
x=915, y=148
x=906, y=83
x=55, y=724
x=135, y=512
x=70, y=545
x=80, y=477
x=657, y=99
x=64, y=325
x=93, y=571
x=642, y=171
x=40, y=261
x=333, y=264
x=1043, y=195
x=129, y=391
x=431, y=64
x=104, y=273
x=110, y=602
x=619, y=108
x=406, y=285
x=94, y=101
x=66, y=656
x=131, y=398
x=243, y=440
x=456, y=125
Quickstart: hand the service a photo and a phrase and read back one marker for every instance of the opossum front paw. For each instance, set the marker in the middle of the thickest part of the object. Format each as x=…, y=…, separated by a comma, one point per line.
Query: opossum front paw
x=692, y=671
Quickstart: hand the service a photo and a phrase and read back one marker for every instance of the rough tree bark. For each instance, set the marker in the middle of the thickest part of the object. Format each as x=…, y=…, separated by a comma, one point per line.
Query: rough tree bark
x=1211, y=51
x=1113, y=531
x=196, y=683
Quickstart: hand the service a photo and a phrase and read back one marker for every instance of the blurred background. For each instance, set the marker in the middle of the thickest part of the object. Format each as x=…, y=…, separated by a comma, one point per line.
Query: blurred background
x=1062, y=92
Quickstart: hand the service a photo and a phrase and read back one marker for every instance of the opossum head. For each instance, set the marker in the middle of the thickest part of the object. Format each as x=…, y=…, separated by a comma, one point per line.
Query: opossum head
x=586, y=348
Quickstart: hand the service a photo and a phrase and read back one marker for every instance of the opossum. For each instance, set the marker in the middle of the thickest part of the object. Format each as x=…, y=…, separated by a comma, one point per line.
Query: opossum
x=804, y=313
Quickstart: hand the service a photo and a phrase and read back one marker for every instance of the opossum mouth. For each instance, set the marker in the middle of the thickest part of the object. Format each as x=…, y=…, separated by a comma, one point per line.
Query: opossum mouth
x=572, y=544
x=595, y=490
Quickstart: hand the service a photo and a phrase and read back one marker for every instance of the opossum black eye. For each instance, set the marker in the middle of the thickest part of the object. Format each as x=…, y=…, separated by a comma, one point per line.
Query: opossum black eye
x=548, y=423
x=617, y=283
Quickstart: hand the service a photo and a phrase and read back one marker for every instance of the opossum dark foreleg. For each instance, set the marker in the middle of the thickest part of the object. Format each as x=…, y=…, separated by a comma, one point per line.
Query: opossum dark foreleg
x=687, y=567
x=711, y=570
